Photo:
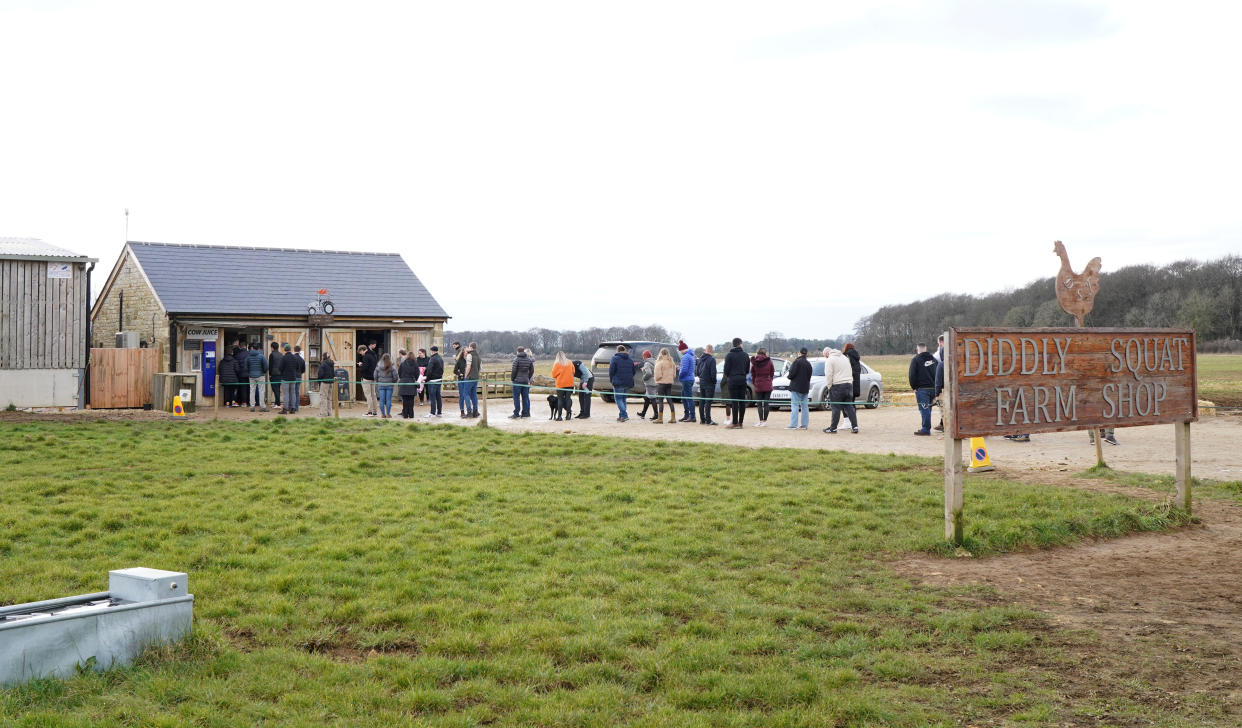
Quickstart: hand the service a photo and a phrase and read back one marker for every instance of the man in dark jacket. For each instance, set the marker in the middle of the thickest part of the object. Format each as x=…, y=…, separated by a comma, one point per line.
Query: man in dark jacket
x=923, y=381
x=522, y=372
x=243, y=380
x=584, y=390
x=256, y=368
x=273, y=372
x=291, y=369
x=226, y=372
x=736, y=367
x=706, y=370
x=621, y=375
x=799, y=388
x=434, y=377
x=327, y=384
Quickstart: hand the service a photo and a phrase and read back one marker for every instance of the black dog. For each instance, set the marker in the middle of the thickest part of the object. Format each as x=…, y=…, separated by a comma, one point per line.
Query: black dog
x=554, y=407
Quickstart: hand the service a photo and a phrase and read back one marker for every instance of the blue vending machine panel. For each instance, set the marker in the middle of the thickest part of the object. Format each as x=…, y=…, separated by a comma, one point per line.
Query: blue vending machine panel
x=209, y=368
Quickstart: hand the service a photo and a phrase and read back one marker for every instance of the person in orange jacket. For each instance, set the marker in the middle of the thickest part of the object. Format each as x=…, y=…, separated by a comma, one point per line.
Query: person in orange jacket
x=563, y=373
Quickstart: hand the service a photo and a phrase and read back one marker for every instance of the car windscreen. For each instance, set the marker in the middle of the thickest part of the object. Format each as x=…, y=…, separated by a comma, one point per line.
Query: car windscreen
x=817, y=369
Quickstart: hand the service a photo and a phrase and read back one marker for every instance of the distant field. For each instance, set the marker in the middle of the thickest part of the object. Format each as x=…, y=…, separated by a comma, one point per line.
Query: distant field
x=1220, y=378
x=374, y=574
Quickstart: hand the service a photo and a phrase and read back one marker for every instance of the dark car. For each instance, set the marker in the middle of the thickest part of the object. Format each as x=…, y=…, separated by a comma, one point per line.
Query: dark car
x=607, y=349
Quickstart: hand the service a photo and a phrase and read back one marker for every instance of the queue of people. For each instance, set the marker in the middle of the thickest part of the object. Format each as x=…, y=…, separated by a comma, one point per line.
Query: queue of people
x=243, y=374
x=416, y=377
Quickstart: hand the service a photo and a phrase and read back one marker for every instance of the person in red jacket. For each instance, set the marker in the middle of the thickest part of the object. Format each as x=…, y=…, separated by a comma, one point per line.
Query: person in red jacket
x=762, y=372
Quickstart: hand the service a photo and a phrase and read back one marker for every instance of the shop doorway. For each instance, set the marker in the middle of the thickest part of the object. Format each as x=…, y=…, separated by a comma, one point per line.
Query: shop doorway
x=243, y=338
x=364, y=337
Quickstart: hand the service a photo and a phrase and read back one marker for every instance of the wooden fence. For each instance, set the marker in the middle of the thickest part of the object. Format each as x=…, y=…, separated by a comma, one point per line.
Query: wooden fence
x=492, y=383
x=121, y=378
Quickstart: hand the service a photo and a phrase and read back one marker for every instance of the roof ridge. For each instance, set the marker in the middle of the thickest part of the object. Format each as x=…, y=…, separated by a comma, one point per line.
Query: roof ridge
x=256, y=247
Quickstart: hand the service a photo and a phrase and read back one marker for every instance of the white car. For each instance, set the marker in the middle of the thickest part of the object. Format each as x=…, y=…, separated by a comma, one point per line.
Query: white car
x=870, y=387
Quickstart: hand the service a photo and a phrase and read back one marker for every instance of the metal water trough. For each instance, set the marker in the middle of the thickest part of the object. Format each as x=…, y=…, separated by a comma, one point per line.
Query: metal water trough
x=57, y=637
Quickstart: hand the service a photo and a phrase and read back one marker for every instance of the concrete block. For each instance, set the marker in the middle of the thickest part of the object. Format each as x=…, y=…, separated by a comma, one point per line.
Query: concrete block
x=141, y=584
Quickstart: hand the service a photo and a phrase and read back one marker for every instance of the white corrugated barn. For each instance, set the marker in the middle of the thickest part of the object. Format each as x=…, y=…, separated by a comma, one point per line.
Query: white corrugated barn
x=44, y=309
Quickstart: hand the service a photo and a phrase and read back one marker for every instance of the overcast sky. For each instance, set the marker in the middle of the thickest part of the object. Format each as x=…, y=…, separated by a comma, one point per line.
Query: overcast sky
x=719, y=168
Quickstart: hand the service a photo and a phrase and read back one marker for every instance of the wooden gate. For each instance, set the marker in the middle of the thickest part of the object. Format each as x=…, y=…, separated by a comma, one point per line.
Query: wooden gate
x=340, y=344
x=292, y=337
x=121, y=378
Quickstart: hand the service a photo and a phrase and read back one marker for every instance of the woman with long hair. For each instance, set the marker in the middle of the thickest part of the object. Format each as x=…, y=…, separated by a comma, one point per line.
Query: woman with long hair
x=385, y=380
x=665, y=378
x=408, y=373
x=762, y=372
x=563, y=373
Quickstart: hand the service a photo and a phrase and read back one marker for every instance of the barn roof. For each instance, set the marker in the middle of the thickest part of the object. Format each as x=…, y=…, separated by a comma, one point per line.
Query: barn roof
x=35, y=249
x=281, y=281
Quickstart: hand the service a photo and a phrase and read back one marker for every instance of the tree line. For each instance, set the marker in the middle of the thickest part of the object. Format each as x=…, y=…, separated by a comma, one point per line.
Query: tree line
x=582, y=344
x=1206, y=297
x=546, y=342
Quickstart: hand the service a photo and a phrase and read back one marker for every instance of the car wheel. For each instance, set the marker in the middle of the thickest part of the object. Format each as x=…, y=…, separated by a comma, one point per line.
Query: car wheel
x=873, y=398
x=607, y=398
x=824, y=399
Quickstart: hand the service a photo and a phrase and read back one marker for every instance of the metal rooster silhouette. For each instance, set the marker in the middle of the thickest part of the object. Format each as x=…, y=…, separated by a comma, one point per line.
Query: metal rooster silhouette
x=1076, y=291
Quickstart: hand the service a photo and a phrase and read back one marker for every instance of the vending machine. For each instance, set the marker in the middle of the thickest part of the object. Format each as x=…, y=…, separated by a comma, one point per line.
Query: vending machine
x=209, y=368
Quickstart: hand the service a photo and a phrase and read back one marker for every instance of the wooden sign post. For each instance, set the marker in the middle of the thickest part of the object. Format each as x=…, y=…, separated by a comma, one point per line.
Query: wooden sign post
x=1025, y=381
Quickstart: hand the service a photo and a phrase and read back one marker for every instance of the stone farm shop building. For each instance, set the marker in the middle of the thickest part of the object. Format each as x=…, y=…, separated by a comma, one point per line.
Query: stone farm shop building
x=193, y=300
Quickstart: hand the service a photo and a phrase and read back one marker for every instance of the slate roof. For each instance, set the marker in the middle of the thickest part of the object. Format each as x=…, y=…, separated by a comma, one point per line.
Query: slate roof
x=35, y=249
x=213, y=279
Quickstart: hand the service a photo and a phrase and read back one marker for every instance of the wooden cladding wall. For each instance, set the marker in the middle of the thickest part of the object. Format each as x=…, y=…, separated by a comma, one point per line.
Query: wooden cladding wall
x=121, y=378
x=41, y=318
x=1014, y=381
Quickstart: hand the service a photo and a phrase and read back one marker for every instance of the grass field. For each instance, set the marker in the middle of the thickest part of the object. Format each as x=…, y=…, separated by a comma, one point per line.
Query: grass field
x=363, y=573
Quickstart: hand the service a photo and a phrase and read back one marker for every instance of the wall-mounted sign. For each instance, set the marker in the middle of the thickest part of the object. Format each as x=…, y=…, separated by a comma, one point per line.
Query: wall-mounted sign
x=202, y=333
x=1014, y=381
x=60, y=270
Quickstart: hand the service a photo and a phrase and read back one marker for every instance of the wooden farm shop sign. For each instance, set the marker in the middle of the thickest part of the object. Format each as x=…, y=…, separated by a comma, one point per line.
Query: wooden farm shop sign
x=1015, y=381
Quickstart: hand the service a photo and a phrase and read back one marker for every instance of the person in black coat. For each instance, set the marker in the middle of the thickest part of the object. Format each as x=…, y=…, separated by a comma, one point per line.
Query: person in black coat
x=407, y=384
x=855, y=366
x=736, y=367
x=421, y=361
x=327, y=384
x=434, y=377
x=923, y=381
x=291, y=369
x=273, y=372
x=799, y=377
x=226, y=372
x=706, y=371
x=243, y=378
